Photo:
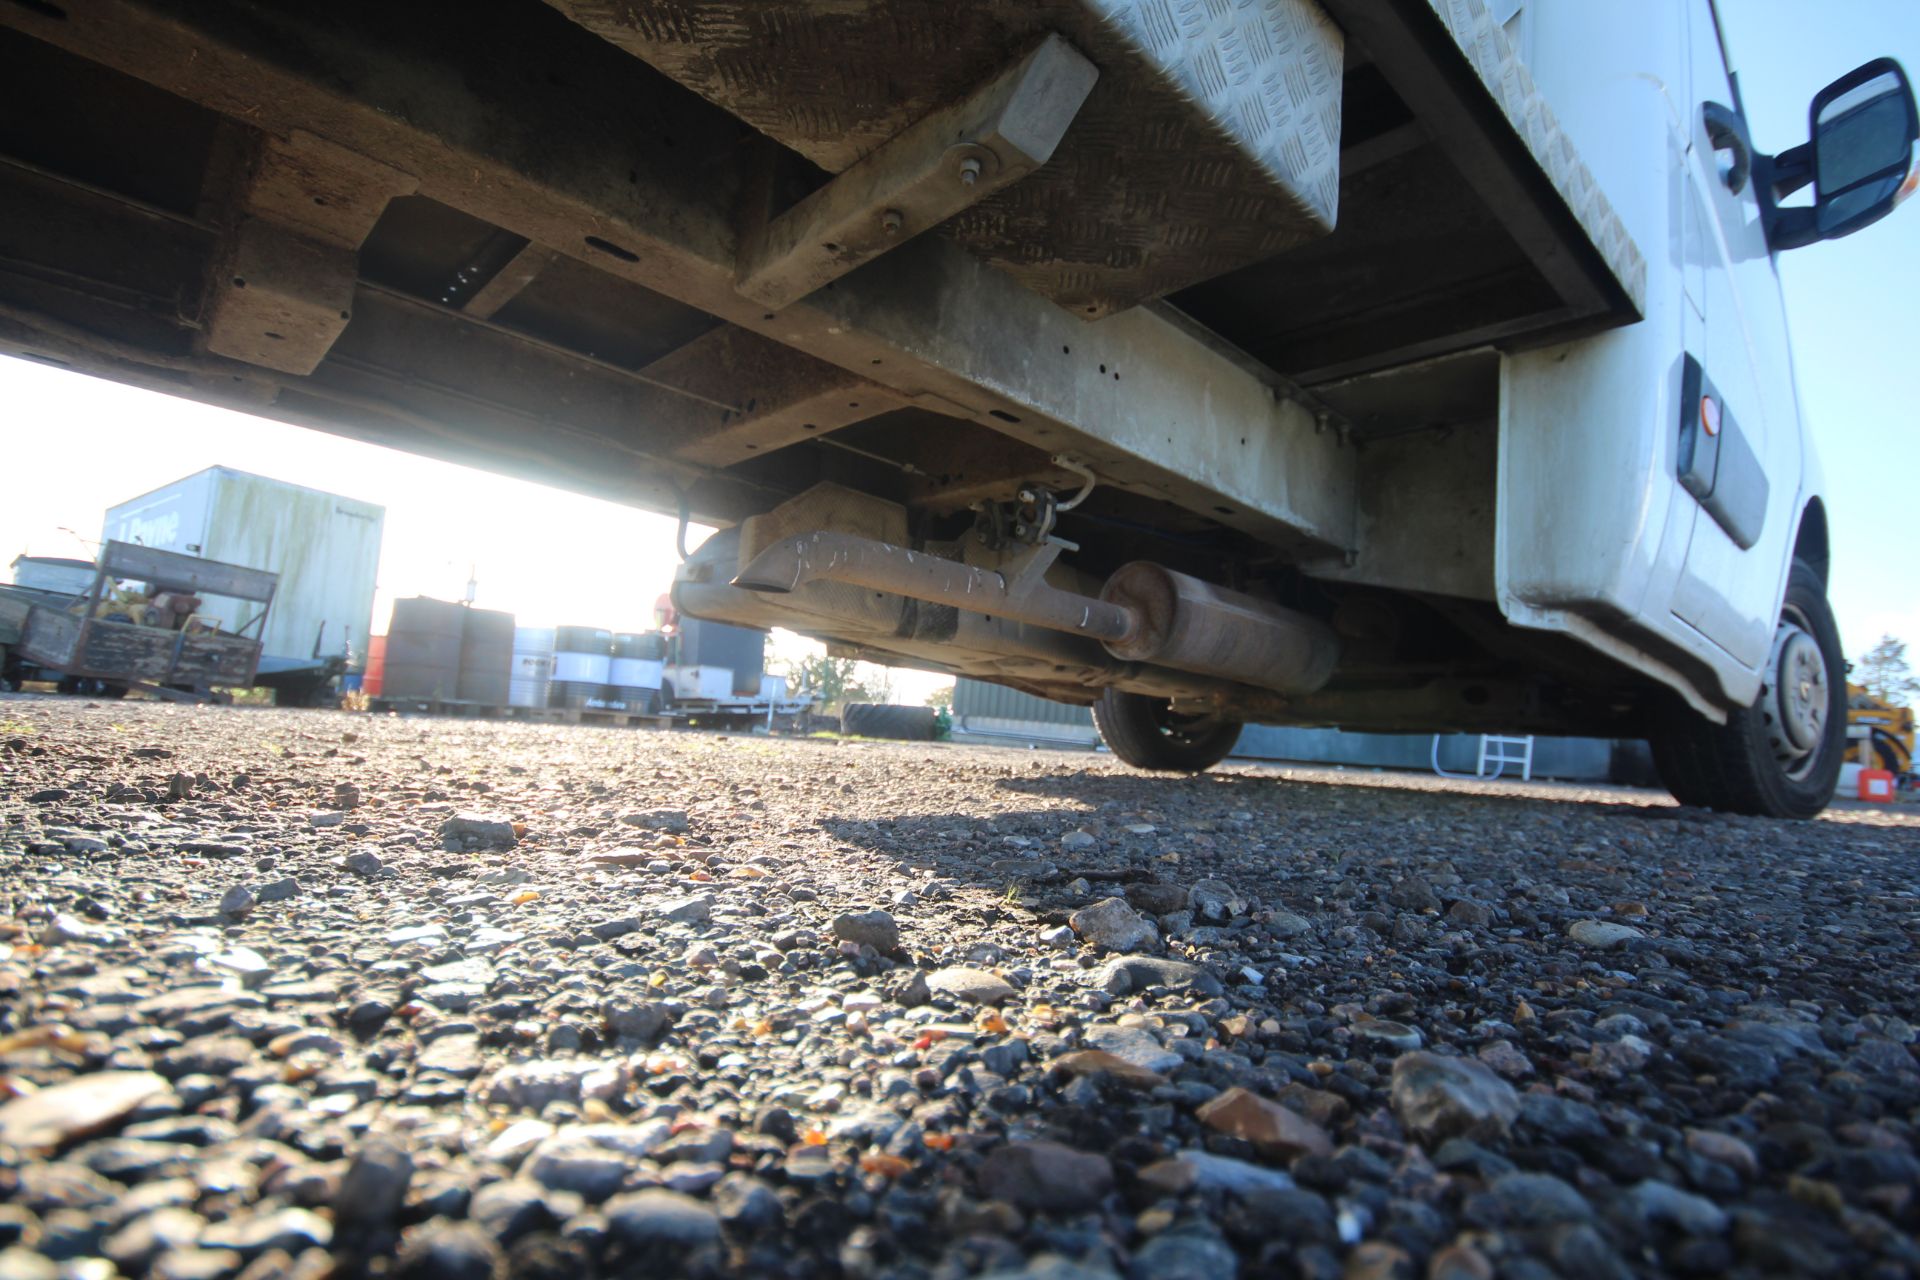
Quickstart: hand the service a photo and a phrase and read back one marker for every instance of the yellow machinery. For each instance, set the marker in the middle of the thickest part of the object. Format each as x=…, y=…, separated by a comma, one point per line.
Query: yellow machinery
x=1878, y=736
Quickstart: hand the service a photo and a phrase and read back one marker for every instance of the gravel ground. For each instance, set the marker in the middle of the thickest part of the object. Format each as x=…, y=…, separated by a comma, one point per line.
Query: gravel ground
x=291, y=994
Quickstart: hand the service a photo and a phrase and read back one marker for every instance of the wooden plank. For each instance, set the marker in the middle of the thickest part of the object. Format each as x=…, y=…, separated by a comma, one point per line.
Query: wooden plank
x=127, y=651
x=176, y=572
x=950, y=160
x=508, y=282
x=49, y=637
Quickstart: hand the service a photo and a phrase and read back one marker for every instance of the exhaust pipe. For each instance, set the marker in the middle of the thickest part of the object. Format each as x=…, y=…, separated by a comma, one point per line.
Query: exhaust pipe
x=1145, y=613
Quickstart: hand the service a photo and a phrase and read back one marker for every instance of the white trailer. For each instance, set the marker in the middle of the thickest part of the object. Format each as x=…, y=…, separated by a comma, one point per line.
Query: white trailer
x=325, y=547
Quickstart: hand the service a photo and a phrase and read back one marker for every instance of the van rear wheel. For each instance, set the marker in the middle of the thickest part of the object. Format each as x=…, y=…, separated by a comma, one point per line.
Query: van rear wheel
x=1148, y=733
x=1780, y=757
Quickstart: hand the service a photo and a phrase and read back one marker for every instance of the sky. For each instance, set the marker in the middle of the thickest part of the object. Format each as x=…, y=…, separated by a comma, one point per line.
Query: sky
x=558, y=558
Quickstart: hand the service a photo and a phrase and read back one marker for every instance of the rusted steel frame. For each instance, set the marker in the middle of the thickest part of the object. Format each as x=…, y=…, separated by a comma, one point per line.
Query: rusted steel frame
x=825, y=556
x=1191, y=625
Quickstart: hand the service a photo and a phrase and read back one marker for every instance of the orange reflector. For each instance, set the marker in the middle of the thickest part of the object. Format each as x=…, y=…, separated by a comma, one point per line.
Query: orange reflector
x=1710, y=415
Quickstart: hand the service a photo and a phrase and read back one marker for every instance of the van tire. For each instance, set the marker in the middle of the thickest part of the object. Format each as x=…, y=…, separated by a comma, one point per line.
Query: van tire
x=1738, y=767
x=1147, y=734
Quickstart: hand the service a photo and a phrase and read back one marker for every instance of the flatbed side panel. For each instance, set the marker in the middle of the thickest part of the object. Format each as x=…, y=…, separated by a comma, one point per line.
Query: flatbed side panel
x=1506, y=77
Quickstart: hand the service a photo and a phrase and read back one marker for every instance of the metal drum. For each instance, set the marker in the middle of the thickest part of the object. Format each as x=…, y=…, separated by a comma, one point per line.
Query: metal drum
x=532, y=669
x=638, y=662
x=582, y=667
x=423, y=650
x=486, y=657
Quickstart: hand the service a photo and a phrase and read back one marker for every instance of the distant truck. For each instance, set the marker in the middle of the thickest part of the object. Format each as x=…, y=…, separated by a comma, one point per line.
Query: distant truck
x=324, y=547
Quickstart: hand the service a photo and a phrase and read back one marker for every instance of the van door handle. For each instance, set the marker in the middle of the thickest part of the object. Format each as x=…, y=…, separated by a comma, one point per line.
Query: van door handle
x=1728, y=132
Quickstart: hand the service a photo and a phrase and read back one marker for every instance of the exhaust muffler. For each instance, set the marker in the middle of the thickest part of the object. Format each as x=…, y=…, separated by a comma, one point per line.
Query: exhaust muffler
x=1145, y=613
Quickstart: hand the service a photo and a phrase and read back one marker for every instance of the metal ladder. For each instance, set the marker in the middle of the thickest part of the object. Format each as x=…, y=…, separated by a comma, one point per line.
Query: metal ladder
x=1496, y=751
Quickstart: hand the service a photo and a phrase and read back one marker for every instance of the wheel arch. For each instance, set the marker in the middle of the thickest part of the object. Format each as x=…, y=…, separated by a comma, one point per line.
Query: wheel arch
x=1811, y=543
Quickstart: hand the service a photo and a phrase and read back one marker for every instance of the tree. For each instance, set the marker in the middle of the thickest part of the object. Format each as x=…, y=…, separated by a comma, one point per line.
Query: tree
x=1884, y=673
x=836, y=680
x=941, y=697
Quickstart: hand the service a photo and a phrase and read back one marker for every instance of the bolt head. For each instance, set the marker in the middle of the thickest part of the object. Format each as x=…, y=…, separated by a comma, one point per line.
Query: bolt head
x=969, y=171
x=892, y=220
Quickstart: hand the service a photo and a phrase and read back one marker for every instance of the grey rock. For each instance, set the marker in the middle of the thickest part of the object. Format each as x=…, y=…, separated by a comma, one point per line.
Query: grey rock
x=980, y=986
x=632, y=1019
x=1662, y=1202
x=1205, y=1172
x=1438, y=1098
x=1185, y=1254
x=134, y=1246
x=279, y=890
x=1467, y=912
x=195, y=1264
x=1049, y=1267
x=289, y=1230
x=1112, y=924
x=569, y=1163
x=488, y=831
x=1217, y=902
x=1396, y=1035
x=364, y=863
x=450, y=1251
x=875, y=929
x=453, y=1055
x=1413, y=894
x=1157, y=899
x=608, y=930
x=1285, y=924
x=697, y=909
x=653, y=1218
x=745, y=1202
x=242, y=962
x=510, y=1209
x=532, y=1085
x=1123, y=975
x=1537, y=1200
x=1046, y=1177
x=237, y=901
x=671, y=821
x=373, y=1187
x=1136, y=1045
x=1077, y=841
x=1601, y=935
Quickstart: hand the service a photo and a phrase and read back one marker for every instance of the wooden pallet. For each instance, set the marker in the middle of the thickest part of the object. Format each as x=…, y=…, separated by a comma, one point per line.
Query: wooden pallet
x=590, y=715
x=496, y=711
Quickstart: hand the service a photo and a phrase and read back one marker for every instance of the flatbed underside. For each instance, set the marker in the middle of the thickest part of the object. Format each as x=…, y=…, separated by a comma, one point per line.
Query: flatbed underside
x=543, y=241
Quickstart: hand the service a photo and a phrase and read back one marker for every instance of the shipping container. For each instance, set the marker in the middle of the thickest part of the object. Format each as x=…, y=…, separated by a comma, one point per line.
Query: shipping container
x=53, y=573
x=325, y=547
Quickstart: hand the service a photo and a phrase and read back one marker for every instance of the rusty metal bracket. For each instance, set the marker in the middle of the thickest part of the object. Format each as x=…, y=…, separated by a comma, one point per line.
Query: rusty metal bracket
x=793, y=562
x=947, y=161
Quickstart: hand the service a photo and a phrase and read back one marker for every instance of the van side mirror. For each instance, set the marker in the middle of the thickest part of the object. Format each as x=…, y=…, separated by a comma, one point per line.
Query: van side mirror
x=1860, y=158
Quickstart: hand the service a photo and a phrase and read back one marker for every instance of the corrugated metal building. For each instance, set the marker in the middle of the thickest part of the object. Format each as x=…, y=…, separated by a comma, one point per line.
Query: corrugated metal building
x=988, y=711
x=991, y=711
